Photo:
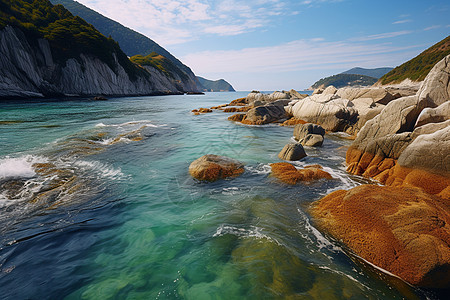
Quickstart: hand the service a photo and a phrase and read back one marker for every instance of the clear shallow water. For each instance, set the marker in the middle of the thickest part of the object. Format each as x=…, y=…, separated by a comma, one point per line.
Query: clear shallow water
x=96, y=203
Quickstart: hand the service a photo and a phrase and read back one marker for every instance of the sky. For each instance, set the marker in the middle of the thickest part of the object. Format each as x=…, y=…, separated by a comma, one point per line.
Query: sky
x=279, y=45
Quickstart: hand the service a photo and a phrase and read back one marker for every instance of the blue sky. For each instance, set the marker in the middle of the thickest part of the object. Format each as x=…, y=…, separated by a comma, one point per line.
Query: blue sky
x=275, y=44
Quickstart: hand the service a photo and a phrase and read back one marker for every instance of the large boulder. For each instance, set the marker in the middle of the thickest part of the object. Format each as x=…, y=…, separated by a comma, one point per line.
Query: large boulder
x=264, y=114
x=367, y=109
x=214, y=167
x=436, y=86
x=378, y=95
x=256, y=98
x=330, y=90
x=330, y=111
x=309, y=134
x=434, y=115
x=296, y=95
x=292, y=152
x=402, y=230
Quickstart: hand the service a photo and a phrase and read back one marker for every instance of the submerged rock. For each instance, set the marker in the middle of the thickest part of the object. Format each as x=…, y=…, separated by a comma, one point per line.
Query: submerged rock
x=214, y=167
x=292, y=152
x=289, y=174
x=402, y=230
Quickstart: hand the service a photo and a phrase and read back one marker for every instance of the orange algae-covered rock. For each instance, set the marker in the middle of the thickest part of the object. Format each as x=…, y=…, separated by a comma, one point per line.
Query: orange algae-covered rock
x=201, y=111
x=237, y=109
x=239, y=102
x=214, y=167
x=289, y=174
x=237, y=117
x=293, y=122
x=405, y=231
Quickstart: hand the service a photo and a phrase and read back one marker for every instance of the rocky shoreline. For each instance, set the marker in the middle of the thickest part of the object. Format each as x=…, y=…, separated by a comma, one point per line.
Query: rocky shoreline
x=402, y=140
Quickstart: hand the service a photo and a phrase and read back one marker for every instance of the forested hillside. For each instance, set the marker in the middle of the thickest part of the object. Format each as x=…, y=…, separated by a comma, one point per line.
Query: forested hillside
x=418, y=68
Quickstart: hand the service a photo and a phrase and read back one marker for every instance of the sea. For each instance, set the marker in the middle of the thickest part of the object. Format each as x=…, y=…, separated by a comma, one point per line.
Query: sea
x=96, y=202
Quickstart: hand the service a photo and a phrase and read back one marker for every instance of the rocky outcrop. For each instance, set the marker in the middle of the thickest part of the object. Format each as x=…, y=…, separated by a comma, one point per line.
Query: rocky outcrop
x=410, y=137
x=309, y=134
x=214, y=167
x=292, y=152
x=264, y=114
x=330, y=111
x=405, y=231
x=256, y=98
x=378, y=95
x=289, y=174
x=28, y=69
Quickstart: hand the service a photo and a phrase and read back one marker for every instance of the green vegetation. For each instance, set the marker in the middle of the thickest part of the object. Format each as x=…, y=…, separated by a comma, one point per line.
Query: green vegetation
x=68, y=35
x=342, y=80
x=418, y=68
x=215, y=85
x=160, y=62
x=130, y=41
x=377, y=72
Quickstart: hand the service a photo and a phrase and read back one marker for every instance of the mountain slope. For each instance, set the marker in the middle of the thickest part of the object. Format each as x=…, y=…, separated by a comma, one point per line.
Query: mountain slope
x=215, y=85
x=376, y=73
x=130, y=41
x=418, y=68
x=46, y=51
x=343, y=80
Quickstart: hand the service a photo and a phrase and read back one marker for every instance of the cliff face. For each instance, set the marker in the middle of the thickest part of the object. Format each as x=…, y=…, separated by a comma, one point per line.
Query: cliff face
x=28, y=69
x=134, y=43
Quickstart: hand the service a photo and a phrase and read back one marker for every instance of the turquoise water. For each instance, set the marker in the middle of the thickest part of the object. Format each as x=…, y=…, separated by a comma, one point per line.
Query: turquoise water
x=96, y=203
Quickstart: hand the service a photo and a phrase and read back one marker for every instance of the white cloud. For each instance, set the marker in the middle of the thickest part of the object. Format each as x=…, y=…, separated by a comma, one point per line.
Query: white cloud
x=293, y=56
x=432, y=27
x=178, y=21
x=381, y=36
x=402, y=21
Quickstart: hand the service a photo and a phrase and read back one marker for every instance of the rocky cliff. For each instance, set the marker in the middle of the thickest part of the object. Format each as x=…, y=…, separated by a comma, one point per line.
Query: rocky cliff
x=28, y=68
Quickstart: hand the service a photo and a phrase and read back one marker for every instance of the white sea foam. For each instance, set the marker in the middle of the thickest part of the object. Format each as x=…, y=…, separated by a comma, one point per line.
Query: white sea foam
x=259, y=169
x=19, y=167
x=231, y=191
x=320, y=241
x=146, y=123
x=104, y=170
x=242, y=232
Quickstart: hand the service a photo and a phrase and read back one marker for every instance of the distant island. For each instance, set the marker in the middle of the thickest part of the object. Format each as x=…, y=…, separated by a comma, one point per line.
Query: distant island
x=353, y=77
x=215, y=85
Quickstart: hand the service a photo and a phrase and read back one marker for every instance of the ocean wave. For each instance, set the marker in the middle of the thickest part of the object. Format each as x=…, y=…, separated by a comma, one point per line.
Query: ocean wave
x=104, y=170
x=19, y=167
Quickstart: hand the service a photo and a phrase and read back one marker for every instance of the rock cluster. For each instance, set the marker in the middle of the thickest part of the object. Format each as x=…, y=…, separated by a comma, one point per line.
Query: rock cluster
x=402, y=227
x=410, y=136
